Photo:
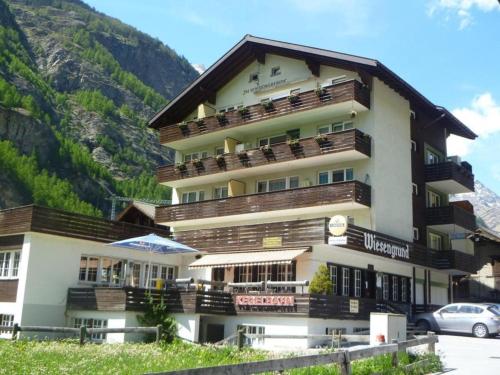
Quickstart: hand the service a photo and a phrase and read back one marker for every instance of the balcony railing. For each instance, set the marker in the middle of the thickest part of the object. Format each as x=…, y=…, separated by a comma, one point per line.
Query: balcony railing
x=454, y=259
x=452, y=214
x=319, y=195
x=348, y=140
x=338, y=93
x=135, y=299
x=450, y=170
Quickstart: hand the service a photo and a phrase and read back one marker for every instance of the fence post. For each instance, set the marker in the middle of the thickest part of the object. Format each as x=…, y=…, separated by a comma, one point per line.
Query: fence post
x=431, y=347
x=333, y=338
x=83, y=333
x=240, y=338
x=15, y=330
x=395, y=360
x=158, y=333
x=345, y=365
x=339, y=338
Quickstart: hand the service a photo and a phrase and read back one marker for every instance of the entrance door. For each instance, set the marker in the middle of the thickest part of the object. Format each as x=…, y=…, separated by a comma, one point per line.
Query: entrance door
x=215, y=332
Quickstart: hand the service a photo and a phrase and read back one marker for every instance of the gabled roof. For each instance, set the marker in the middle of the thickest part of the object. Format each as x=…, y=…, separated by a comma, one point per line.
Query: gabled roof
x=252, y=48
x=147, y=209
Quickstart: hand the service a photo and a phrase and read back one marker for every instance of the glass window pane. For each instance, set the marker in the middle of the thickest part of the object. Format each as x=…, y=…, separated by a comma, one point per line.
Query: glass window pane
x=187, y=158
x=323, y=178
x=324, y=129
x=106, y=269
x=262, y=186
x=338, y=127
x=294, y=182
x=15, y=268
x=348, y=125
x=349, y=174
x=201, y=195
x=192, y=197
x=279, y=184
x=263, y=142
x=338, y=176
x=277, y=139
x=83, y=269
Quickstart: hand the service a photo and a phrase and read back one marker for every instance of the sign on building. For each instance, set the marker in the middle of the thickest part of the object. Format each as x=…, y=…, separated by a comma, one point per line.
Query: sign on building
x=268, y=242
x=337, y=225
x=250, y=300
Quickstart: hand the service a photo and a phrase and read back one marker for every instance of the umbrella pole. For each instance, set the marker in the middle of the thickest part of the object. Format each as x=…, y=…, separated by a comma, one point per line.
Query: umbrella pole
x=149, y=268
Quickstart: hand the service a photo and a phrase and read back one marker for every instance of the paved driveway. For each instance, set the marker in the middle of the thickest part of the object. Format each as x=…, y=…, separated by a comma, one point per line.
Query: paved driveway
x=464, y=355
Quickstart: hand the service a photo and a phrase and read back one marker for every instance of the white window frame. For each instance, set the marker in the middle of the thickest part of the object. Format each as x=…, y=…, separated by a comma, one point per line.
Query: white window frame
x=87, y=260
x=246, y=275
x=431, y=156
x=395, y=288
x=404, y=287
x=9, y=268
x=275, y=71
x=220, y=189
x=218, y=150
x=433, y=237
x=287, y=183
x=346, y=275
x=268, y=140
x=263, y=272
x=416, y=234
x=330, y=175
x=385, y=287
x=92, y=323
x=357, y=283
x=334, y=279
x=414, y=189
x=199, y=196
x=199, y=155
x=433, y=199
x=413, y=145
x=346, y=125
x=284, y=272
x=253, y=329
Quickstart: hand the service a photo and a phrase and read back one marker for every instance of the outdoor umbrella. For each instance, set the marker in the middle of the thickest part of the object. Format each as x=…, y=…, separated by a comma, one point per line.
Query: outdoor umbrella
x=153, y=243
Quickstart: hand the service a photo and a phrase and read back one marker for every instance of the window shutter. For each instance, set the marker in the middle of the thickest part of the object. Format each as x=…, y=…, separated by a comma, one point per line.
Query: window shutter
x=236, y=274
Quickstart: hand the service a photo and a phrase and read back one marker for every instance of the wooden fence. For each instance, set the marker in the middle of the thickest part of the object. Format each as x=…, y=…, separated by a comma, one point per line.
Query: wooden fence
x=83, y=332
x=343, y=358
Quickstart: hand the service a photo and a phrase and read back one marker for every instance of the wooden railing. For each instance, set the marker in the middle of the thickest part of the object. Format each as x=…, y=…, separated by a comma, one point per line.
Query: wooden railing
x=63, y=223
x=450, y=171
x=319, y=195
x=135, y=299
x=339, y=93
x=451, y=214
x=306, y=147
x=454, y=259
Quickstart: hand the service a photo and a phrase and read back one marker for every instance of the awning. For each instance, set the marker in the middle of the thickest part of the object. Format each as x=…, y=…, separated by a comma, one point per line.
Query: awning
x=251, y=258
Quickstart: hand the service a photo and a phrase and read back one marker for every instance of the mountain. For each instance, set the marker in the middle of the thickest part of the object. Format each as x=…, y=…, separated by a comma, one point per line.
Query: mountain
x=76, y=90
x=486, y=205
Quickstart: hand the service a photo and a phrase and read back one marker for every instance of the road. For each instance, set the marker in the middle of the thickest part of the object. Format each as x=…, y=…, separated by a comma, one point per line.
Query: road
x=464, y=355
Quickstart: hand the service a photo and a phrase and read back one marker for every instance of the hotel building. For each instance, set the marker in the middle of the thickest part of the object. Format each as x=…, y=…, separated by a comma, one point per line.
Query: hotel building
x=271, y=142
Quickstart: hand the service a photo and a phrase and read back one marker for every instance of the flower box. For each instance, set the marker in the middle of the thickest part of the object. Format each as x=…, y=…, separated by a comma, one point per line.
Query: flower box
x=244, y=112
x=221, y=118
x=268, y=105
x=293, y=98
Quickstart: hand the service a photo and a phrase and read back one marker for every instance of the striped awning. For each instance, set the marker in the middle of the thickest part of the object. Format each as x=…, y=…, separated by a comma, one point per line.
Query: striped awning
x=283, y=256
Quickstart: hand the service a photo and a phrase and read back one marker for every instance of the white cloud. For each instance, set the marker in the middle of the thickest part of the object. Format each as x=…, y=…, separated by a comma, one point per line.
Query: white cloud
x=462, y=9
x=482, y=117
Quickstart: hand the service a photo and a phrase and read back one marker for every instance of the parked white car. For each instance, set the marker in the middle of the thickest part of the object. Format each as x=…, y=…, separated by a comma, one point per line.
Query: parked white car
x=480, y=319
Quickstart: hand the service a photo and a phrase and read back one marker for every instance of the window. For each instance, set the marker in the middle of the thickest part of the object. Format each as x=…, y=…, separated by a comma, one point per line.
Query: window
x=275, y=71
x=278, y=184
x=433, y=199
x=416, y=234
x=219, y=151
x=245, y=275
x=6, y=320
x=435, y=241
x=193, y=196
x=111, y=271
x=357, y=283
x=339, y=175
x=449, y=309
x=253, y=330
x=413, y=145
x=88, y=269
x=345, y=281
x=195, y=155
x=395, y=288
x=220, y=192
x=158, y=272
x=385, y=287
x=333, y=277
x=9, y=264
x=262, y=273
x=92, y=323
x=335, y=127
x=415, y=189
x=270, y=141
x=404, y=291
x=431, y=157
x=253, y=77
x=284, y=272
x=135, y=275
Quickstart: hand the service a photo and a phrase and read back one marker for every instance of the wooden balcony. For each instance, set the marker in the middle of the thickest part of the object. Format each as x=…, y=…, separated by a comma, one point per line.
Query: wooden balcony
x=346, y=145
x=450, y=177
x=455, y=260
x=446, y=218
x=343, y=195
x=135, y=299
x=345, y=92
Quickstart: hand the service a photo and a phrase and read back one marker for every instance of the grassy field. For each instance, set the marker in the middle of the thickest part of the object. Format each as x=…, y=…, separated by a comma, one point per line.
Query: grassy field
x=67, y=357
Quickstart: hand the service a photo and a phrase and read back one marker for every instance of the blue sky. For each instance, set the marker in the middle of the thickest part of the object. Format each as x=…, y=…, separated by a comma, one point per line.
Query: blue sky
x=447, y=49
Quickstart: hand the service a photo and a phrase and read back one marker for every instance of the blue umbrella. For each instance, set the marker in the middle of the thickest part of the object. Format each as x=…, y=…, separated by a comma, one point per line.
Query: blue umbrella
x=154, y=244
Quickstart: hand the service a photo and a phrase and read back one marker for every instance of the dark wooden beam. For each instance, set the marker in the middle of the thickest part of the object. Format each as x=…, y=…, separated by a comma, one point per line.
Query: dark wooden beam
x=313, y=67
x=260, y=55
x=209, y=95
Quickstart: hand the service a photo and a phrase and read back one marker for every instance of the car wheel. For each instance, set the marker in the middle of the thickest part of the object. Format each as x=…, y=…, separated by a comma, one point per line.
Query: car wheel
x=480, y=330
x=423, y=325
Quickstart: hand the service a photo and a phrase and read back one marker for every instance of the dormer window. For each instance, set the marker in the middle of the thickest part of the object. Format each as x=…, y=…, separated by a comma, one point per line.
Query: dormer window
x=253, y=77
x=275, y=71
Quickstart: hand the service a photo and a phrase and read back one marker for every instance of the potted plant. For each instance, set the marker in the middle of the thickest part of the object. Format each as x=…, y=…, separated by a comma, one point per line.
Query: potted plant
x=201, y=123
x=220, y=160
x=244, y=112
x=197, y=163
x=243, y=156
x=183, y=126
x=221, y=118
x=320, y=92
x=293, y=142
x=181, y=167
x=293, y=98
x=321, y=138
x=268, y=105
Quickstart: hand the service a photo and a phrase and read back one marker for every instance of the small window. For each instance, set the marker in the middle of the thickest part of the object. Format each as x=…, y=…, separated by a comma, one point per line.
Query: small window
x=6, y=320
x=385, y=287
x=357, y=283
x=220, y=192
x=469, y=309
x=433, y=199
x=449, y=309
x=325, y=129
x=92, y=323
x=416, y=234
x=9, y=264
x=395, y=284
x=333, y=277
x=415, y=189
x=294, y=182
x=404, y=291
x=323, y=178
x=413, y=146
x=345, y=281
x=253, y=77
x=275, y=71
x=193, y=196
x=435, y=241
x=219, y=151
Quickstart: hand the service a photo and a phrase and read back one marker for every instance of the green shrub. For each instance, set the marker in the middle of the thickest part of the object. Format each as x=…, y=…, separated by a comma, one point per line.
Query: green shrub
x=321, y=282
x=156, y=314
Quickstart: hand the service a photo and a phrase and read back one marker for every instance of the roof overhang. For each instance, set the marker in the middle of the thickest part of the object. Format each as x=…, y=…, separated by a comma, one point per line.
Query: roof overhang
x=252, y=48
x=250, y=258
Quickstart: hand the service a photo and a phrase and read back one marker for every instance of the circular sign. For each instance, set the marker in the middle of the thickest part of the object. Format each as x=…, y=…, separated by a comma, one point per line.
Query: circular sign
x=337, y=225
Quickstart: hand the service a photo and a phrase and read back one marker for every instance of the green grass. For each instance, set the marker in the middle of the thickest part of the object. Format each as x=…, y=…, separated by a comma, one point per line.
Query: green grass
x=66, y=357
